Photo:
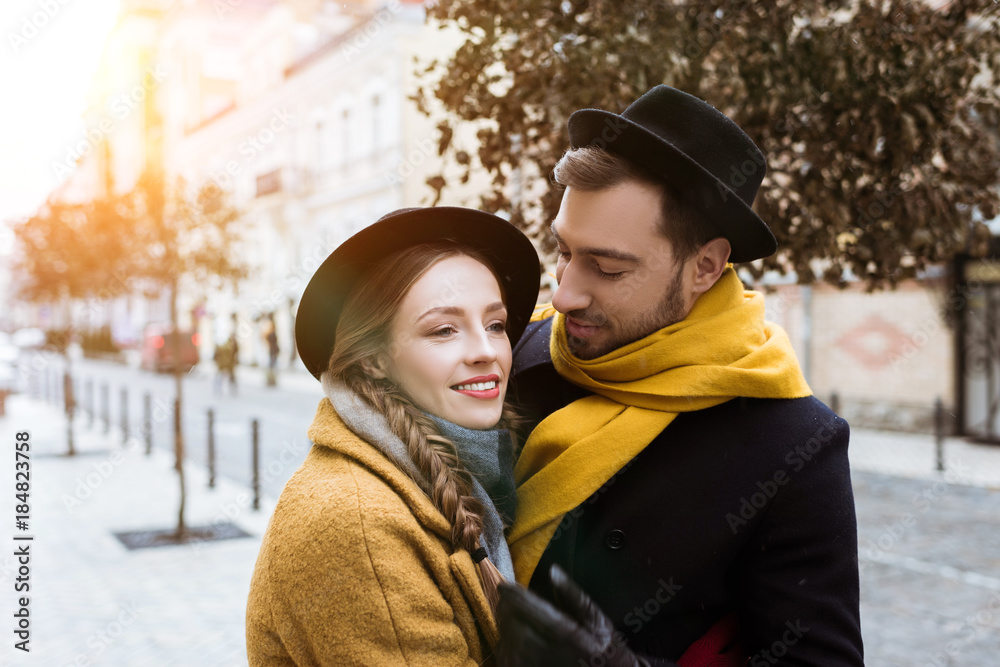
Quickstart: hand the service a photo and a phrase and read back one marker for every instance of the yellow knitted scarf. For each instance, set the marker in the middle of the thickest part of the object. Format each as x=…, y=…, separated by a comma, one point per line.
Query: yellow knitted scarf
x=721, y=350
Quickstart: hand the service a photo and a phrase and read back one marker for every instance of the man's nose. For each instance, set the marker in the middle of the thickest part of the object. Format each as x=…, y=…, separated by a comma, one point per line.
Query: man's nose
x=571, y=293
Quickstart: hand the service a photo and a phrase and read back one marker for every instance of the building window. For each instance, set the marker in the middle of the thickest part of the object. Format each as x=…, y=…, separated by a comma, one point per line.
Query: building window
x=345, y=128
x=269, y=182
x=322, y=154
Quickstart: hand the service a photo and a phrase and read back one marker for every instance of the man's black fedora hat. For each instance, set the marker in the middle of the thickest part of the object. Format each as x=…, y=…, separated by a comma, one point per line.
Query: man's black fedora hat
x=695, y=148
x=509, y=252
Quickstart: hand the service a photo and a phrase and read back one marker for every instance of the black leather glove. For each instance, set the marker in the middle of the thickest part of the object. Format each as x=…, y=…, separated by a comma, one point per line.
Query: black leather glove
x=573, y=632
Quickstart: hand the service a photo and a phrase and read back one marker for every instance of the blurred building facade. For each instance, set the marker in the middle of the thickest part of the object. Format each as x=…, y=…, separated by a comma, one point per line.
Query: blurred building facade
x=300, y=110
x=888, y=359
x=882, y=359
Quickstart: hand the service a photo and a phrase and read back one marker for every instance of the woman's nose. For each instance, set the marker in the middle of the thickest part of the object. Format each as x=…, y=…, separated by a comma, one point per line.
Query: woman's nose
x=480, y=348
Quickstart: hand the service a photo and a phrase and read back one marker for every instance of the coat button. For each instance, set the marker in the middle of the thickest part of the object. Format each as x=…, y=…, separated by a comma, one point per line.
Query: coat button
x=615, y=539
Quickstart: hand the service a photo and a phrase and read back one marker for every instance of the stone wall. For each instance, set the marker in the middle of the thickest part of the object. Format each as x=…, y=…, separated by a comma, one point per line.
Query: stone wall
x=886, y=355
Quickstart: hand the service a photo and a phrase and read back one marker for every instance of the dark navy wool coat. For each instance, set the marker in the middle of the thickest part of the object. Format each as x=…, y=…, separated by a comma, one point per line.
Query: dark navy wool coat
x=745, y=507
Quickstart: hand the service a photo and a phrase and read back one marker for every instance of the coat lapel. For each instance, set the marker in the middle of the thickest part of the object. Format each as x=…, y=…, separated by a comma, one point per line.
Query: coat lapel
x=468, y=579
x=330, y=431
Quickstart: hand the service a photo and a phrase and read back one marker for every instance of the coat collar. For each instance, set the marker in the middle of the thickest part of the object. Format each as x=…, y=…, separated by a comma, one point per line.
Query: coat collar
x=533, y=348
x=328, y=430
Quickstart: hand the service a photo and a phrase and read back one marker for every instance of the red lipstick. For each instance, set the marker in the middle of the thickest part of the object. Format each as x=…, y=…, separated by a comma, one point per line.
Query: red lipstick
x=474, y=387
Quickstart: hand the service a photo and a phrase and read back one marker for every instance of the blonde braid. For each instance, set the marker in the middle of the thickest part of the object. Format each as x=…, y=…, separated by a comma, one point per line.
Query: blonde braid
x=450, y=484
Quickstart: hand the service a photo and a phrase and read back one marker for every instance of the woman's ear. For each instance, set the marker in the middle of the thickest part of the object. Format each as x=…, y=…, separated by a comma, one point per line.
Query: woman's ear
x=375, y=367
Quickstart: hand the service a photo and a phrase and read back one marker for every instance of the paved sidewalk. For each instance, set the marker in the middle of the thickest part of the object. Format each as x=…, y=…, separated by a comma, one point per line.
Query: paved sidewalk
x=926, y=584
x=94, y=602
x=930, y=572
x=914, y=456
x=929, y=549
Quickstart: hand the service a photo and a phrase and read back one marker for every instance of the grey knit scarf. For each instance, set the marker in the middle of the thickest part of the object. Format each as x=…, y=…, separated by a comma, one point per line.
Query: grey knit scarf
x=488, y=456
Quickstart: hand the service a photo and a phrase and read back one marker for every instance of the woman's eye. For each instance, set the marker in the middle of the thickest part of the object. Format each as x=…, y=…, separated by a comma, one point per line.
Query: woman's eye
x=443, y=331
x=498, y=327
x=563, y=254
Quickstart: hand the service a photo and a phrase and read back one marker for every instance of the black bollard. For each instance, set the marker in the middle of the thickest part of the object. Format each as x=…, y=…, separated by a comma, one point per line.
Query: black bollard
x=939, y=432
x=211, y=448
x=255, y=429
x=178, y=445
x=58, y=387
x=147, y=422
x=124, y=414
x=88, y=397
x=105, y=408
x=69, y=405
x=68, y=402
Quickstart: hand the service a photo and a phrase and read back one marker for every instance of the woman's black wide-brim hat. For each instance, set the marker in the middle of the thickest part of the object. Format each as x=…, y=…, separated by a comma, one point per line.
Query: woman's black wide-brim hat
x=697, y=149
x=511, y=255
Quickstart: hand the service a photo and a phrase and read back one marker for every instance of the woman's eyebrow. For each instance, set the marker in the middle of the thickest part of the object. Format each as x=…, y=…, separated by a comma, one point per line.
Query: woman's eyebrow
x=455, y=310
x=442, y=310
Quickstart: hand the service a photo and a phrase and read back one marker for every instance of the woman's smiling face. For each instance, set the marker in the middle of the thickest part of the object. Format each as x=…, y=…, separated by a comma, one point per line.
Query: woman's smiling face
x=448, y=346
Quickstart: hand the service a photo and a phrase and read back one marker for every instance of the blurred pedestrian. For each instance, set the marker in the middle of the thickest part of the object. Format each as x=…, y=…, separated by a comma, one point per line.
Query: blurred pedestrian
x=271, y=338
x=226, y=357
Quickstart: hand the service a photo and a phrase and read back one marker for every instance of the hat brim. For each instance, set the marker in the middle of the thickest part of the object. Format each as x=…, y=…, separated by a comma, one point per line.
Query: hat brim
x=748, y=235
x=511, y=255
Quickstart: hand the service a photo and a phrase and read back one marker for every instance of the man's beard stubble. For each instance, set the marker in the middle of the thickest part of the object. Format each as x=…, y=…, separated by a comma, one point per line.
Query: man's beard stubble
x=669, y=311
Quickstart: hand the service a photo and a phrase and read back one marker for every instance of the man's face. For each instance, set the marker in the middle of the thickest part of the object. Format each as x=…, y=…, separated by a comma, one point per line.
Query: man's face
x=618, y=278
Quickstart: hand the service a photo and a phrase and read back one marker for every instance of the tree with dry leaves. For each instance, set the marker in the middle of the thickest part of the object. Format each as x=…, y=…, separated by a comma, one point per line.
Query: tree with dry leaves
x=184, y=237
x=73, y=257
x=153, y=240
x=879, y=121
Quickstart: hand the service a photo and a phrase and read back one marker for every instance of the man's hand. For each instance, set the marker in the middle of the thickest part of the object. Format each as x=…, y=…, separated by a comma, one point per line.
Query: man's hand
x=576, y=631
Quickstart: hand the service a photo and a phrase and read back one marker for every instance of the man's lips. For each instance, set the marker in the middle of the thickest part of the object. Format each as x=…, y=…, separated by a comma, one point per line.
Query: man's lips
x=579, y=329
x=481, y=386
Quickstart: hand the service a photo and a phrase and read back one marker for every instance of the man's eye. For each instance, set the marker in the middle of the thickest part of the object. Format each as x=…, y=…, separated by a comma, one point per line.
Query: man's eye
x=610, y=276
x=563, y=254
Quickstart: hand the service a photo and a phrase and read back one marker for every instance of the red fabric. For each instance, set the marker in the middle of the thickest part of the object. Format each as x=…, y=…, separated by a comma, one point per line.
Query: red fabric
x=718, y=647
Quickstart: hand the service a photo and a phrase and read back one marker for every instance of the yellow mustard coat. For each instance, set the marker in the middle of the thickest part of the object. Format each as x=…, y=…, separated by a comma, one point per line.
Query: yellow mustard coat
x=356, y=568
